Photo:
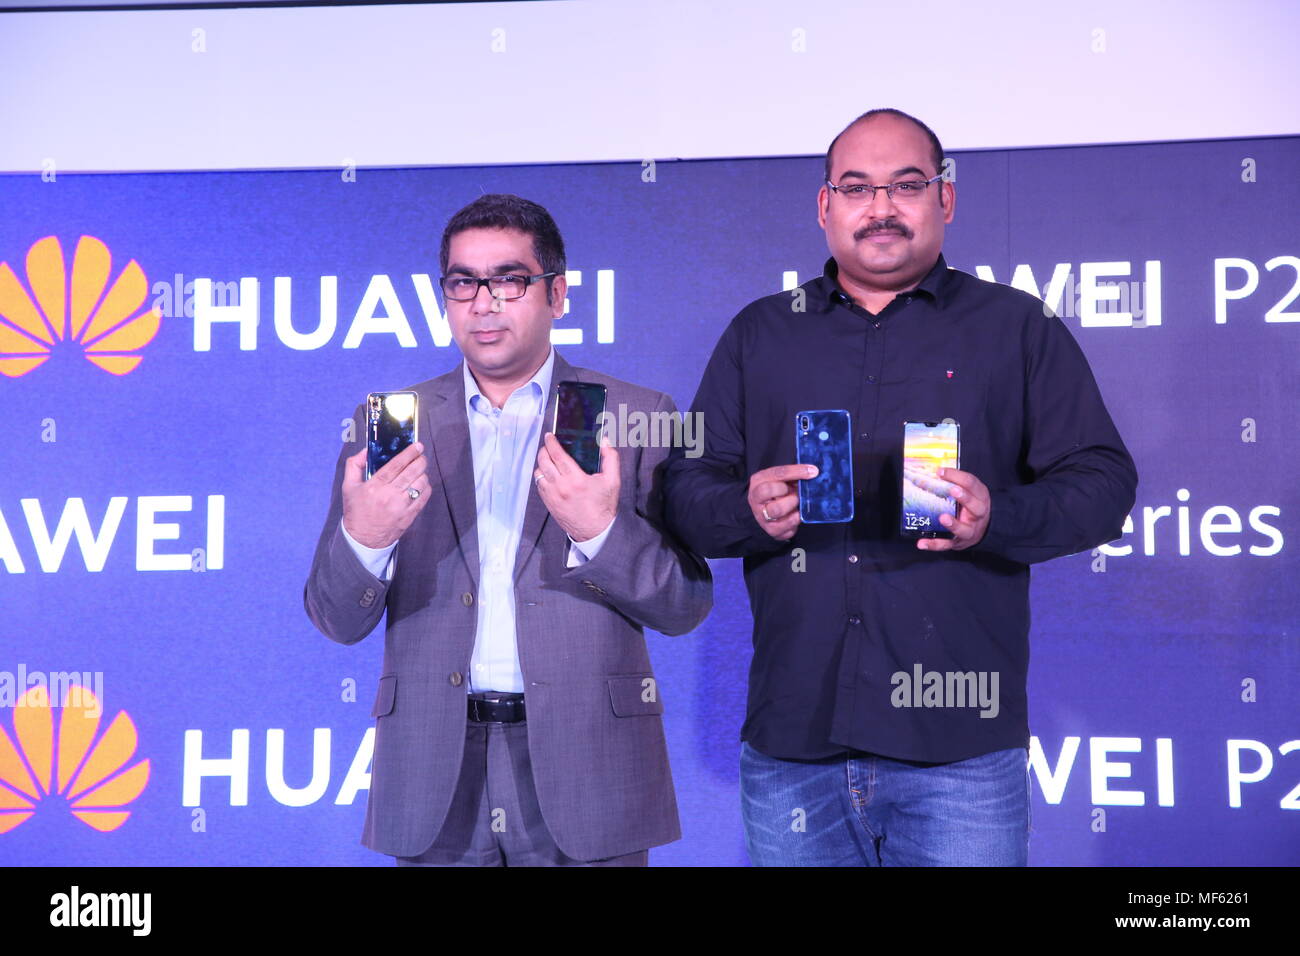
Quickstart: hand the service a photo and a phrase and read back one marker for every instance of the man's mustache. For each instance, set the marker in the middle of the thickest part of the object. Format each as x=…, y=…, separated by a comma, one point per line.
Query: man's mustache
x=884, y=225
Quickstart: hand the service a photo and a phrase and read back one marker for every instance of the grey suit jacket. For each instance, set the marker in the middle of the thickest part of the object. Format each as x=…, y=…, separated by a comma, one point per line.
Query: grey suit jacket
x=595, y=730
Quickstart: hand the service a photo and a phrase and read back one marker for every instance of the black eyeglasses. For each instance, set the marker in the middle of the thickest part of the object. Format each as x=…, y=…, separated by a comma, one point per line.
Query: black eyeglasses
x=907, y=191
x=464, y=288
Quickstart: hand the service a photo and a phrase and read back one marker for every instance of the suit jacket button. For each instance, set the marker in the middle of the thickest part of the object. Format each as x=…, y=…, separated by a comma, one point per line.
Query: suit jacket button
x=455, y=678
x=367, y=597
x=467, y=599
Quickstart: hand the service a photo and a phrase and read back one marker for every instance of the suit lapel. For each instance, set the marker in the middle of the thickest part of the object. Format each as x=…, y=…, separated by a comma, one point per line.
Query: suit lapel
x=535, y=514
x=447, y=425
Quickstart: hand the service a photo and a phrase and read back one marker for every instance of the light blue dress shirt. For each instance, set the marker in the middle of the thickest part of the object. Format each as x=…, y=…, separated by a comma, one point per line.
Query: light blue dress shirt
x=504, y=445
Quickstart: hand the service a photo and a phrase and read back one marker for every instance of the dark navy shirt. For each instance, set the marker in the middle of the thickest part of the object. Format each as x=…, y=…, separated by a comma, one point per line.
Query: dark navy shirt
x=841, y=609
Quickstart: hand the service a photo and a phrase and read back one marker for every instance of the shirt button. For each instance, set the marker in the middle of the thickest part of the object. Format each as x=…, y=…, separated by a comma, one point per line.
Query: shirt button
x=864, y=436
x=853, y=559
x=871, y=378
x=455, y=678
x=855, y=620
x=467, y=599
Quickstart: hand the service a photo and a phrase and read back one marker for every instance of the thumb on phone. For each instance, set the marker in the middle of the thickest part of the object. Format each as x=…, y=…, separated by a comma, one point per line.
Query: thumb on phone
x=354, y=472
x=608, y=457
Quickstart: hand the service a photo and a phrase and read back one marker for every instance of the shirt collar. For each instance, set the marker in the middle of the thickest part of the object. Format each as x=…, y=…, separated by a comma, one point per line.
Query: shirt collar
x=539, y=384
x=932, y=285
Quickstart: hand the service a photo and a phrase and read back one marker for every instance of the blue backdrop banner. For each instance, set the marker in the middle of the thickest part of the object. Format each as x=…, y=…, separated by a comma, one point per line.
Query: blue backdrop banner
x=180, y=355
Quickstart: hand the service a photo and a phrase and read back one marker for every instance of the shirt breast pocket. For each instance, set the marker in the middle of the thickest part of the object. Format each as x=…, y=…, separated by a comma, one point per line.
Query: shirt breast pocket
x=941, y=392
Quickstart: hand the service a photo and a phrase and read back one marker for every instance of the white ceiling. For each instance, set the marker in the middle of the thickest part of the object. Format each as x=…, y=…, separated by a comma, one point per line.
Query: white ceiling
x=570, y=80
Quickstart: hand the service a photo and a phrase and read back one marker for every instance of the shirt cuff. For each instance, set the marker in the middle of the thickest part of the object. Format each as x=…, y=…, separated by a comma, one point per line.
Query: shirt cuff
x=580, y=552
x=374, y=560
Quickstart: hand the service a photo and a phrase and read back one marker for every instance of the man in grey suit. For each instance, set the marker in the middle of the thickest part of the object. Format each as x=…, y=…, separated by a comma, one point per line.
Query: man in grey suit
x=518, y=718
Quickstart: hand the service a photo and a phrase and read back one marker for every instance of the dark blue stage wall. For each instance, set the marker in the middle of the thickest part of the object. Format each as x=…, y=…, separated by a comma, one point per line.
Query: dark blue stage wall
x=159, y=518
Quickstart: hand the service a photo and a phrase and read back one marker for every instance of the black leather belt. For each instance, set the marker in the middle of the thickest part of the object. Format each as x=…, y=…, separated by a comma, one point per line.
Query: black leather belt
x=496, y=708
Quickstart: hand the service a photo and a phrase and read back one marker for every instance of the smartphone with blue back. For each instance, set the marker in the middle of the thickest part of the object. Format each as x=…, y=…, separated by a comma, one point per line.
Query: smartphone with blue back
x=392, y=423
x=824, y=437
x=578, y=410
x=927, y=447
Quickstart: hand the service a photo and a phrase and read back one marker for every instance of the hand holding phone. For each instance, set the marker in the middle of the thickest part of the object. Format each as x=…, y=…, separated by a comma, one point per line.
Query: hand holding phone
x=774, y=498
x=974, y=507
x=386, y=484
x=580, y=495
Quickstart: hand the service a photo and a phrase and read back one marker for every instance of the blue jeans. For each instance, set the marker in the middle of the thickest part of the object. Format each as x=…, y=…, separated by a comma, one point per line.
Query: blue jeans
x=866, y=810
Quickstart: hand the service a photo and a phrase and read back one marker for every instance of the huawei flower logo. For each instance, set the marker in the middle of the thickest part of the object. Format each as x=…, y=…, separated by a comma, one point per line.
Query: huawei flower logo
x=86, y=776
x=99, y=317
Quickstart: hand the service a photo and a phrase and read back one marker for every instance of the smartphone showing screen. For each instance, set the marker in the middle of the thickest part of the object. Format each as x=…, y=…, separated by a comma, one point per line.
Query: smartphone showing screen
x=392, y=423
x=927, y=447
x=825, y=438
x=578, y=407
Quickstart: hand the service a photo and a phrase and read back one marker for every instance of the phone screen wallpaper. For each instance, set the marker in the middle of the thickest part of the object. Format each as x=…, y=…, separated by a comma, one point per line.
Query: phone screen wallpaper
x=926, y=449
